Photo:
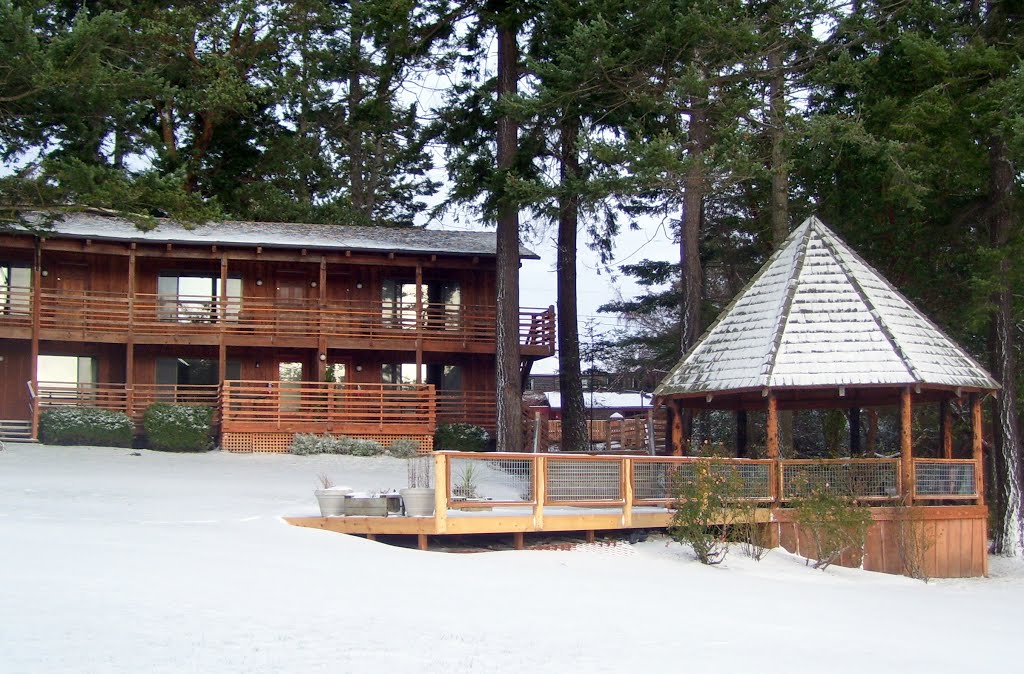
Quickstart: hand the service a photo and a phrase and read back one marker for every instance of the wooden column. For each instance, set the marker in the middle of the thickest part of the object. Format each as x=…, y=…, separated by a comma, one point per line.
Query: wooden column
x=676, y=430
x=772, y=428
x=627, y=492
x=222, y=351
x=37, y=279
x=977, y=447
x=440, y=492
x=321, y=338
x=419, y=323
x=907, y=445
x=129, y=349
x=945, y=430
x=540, y=482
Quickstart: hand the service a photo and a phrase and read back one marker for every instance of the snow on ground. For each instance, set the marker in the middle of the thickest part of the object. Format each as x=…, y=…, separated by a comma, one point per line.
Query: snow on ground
x=181, y=563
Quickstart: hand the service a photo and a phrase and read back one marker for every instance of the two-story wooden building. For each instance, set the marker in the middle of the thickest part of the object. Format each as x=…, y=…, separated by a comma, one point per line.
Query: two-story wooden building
x=365, y=331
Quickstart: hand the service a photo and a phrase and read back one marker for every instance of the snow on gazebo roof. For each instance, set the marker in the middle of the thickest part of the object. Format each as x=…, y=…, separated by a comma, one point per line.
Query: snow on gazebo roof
x=817, y=315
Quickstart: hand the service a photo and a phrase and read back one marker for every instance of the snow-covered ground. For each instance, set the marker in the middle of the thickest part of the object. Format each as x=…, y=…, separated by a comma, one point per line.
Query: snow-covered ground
x=180, y=563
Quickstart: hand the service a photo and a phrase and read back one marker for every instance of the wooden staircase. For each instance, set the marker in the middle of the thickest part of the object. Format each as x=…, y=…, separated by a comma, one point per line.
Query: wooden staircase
x=16, y=430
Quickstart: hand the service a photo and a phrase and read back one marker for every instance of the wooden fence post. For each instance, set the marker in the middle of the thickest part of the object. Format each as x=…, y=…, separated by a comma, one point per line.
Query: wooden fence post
x=907, y=445
x=977, y=447
x=440, y=492
x=539, y=476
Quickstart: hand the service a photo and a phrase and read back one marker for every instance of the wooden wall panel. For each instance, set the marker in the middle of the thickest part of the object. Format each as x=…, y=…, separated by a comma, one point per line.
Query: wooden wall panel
x=958, y=535
x=15, y=371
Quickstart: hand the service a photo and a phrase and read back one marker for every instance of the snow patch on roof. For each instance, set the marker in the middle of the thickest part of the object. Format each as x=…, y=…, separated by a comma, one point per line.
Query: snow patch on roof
x=816, y=315
x=283, y=235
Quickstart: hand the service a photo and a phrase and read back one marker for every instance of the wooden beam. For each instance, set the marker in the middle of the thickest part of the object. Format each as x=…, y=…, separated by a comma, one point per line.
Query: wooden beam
x=978, y=447
x=422, y=541
x=419, y=323
x=441, y=467
x=741, y=434
x=517, y=541
x=540, y=481
x=37, y=279
x=627, y=492
x=907, y=444
x=772, y=428
x=676, y=434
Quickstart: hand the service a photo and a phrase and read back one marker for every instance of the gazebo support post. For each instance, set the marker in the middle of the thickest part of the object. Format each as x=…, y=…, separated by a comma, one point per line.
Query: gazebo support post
x=907, y=446
x=772, y=428
x=977, y=447
x=945, y=430
x=676, y=434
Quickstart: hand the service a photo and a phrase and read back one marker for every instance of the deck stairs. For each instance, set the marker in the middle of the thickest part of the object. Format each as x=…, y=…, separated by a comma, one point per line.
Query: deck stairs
x=16, y=430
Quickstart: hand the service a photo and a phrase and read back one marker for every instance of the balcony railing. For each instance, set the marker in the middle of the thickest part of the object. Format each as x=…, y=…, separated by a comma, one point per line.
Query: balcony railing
x=121, y=398
x=313, y=407
x=152, y=314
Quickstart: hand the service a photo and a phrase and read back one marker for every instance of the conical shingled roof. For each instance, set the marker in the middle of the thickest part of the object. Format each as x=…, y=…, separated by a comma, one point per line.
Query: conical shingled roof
x=817, y=315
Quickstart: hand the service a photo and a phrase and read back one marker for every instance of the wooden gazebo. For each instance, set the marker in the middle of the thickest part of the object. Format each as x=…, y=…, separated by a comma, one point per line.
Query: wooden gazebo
x=817, y=327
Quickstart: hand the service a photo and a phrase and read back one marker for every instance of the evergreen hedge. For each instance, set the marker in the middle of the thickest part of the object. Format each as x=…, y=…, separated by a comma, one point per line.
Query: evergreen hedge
x=460, y=437
x=179, y=428
x=86, y=426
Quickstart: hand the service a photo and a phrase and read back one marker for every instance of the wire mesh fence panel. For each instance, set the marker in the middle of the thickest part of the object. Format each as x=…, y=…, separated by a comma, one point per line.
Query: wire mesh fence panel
x=659, y=480
x=501, y=480
x=944, y=479
x=574, y=480
x=870, y=479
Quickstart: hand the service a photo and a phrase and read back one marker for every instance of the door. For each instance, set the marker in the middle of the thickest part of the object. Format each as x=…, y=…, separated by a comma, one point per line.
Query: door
x=71, y=283
x=291, y=290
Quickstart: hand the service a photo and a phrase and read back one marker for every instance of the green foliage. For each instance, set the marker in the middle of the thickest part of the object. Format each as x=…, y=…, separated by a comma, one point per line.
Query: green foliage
x=835, y=522
x=707, y=508
x=305, y=443
x=179, y=428
x=86, y=426
x=404, y=448
x=460, y=437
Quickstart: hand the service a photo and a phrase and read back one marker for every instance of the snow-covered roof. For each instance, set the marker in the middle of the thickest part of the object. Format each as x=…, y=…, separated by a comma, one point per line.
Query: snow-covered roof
x=281, y=235
x=817, y=315
x=604, y=400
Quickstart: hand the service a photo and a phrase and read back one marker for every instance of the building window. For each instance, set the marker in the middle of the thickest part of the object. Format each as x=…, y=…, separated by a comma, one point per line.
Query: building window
x=70, y=372
x=336, y=373
x=441, y=303
x=400, y=373
x=187, y=371
x=445, y=377
x=195, y=298
x=15, y=290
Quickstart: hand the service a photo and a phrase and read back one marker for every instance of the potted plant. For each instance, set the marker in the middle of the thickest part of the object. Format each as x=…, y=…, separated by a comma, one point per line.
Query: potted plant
x=418, y=497
x=330, y=497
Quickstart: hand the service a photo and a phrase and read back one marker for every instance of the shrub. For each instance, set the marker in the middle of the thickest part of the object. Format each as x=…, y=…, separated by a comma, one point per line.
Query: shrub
x=835, y=523
x=179, y=428
x=460, y=437
x=707, y=508
x=304, y=443
x=86, y=426
x=404, y=448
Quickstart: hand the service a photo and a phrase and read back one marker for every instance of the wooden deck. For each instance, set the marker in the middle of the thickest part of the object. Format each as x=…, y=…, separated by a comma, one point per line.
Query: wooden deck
x=519, y=494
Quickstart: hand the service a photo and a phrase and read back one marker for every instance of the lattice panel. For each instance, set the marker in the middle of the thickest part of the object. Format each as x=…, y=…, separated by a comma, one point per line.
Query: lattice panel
x=944, y=480
x=502, y=480
x=874, y=480
x=278, y=443
x=583, y=480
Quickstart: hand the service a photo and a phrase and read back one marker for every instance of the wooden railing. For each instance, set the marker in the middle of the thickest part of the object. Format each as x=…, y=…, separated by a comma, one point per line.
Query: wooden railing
x=498, y=480
x=625, y=434
x=472, y=407
x=16, y=306
x=120, y=398
x=154, y=314
x=312, y=407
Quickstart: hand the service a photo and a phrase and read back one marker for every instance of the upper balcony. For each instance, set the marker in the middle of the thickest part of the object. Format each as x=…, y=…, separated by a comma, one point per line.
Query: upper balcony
x=155, y=319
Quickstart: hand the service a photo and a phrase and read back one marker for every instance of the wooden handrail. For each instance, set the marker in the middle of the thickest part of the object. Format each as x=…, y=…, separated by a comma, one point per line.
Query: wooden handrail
x=151, y=314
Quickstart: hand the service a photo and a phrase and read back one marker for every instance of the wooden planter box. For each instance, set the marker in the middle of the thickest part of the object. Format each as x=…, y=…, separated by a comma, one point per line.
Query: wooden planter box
x=366, y=506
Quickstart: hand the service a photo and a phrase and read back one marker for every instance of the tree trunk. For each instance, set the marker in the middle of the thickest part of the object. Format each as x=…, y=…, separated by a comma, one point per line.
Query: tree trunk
x=1007, y=539
x=570, y=384
x=780, y=177
x=356, y=158
x=689, y=237
x=509, y=395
